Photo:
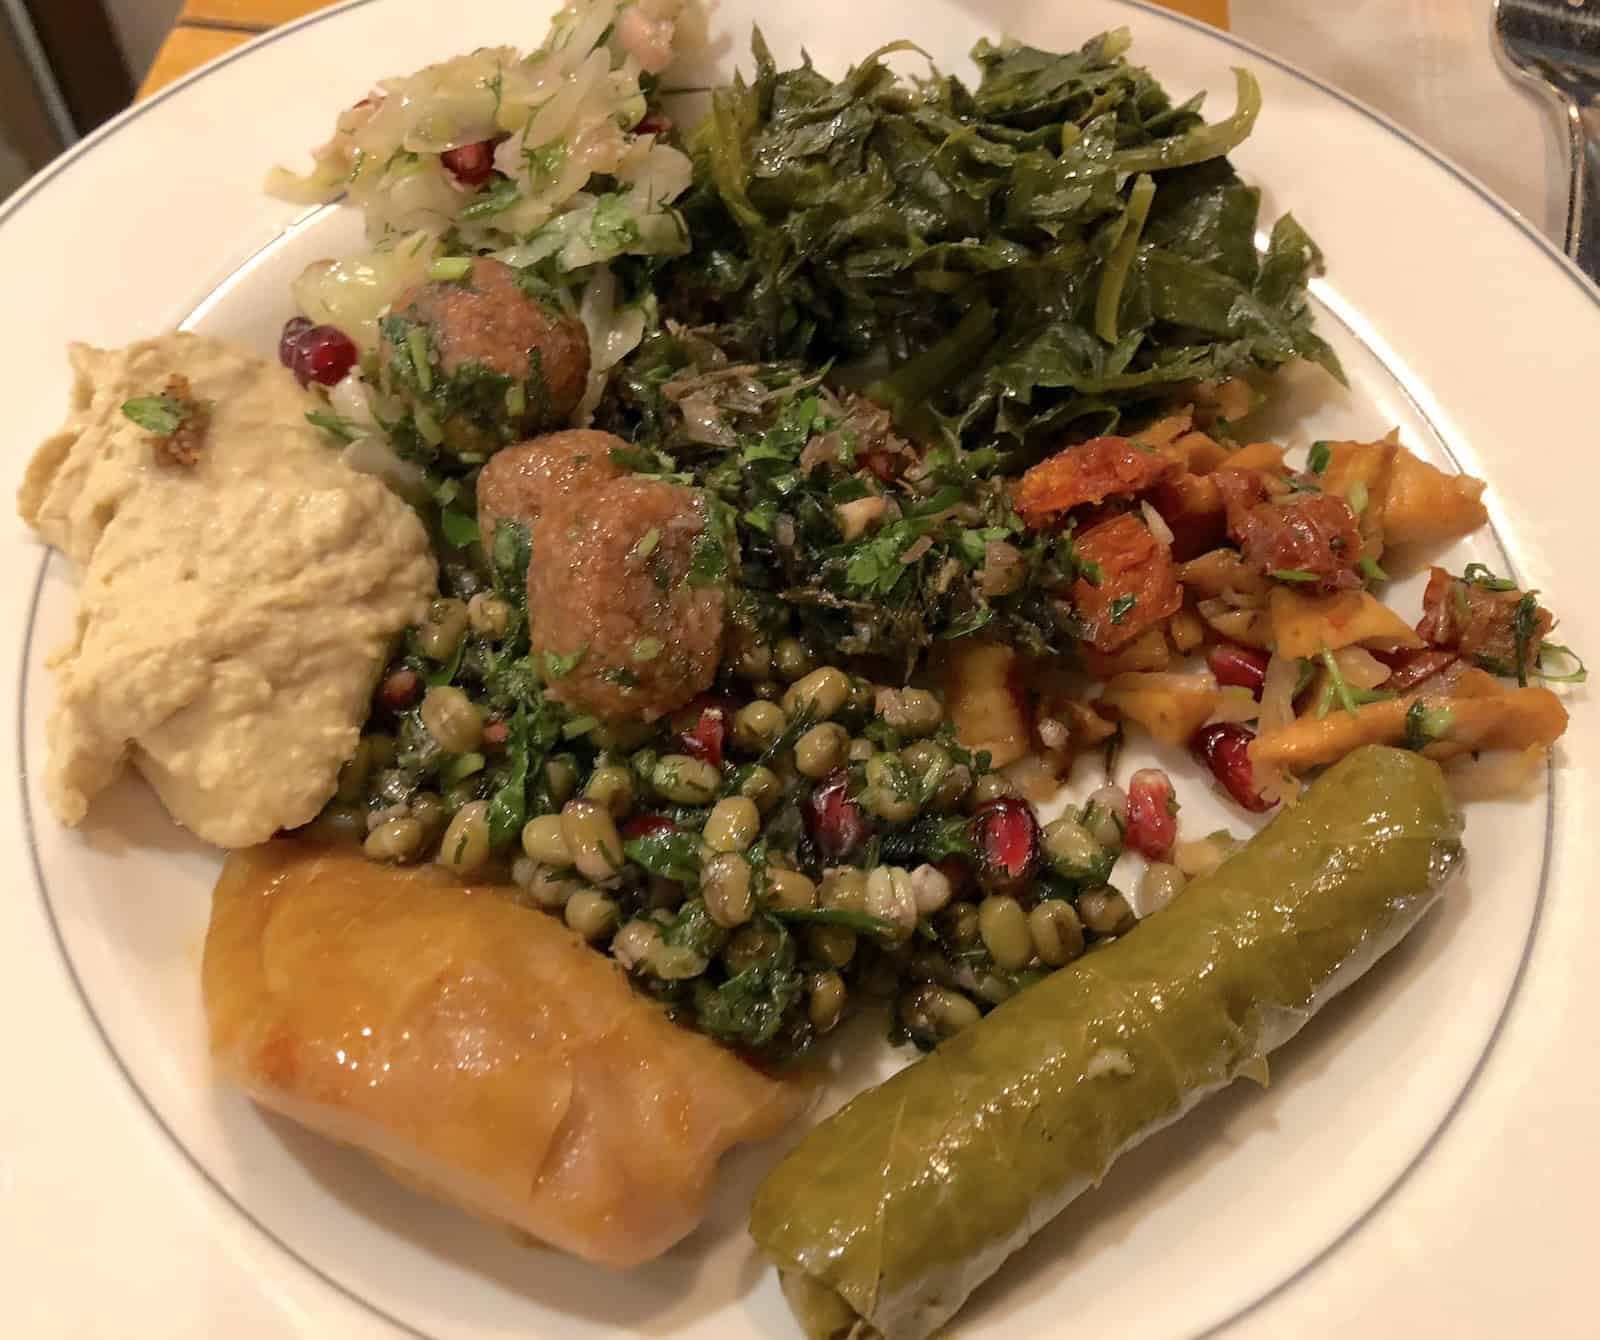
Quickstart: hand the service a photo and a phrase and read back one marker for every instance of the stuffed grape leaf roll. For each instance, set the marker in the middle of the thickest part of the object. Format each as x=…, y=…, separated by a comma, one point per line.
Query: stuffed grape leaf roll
x=887, y=1215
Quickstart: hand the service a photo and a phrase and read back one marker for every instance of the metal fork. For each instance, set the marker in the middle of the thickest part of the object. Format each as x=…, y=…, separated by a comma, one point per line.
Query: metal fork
x=1554, y=45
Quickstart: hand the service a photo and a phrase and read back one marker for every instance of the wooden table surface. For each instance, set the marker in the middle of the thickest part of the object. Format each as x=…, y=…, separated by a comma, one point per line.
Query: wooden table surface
x=207, y=28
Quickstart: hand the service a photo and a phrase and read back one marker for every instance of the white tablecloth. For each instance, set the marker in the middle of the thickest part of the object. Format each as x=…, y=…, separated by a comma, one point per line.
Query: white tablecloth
x=1430, y=65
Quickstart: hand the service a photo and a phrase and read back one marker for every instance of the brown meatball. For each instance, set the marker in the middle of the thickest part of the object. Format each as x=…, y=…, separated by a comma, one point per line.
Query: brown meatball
x=521, y=481
x=486, y=320
x=608, y=580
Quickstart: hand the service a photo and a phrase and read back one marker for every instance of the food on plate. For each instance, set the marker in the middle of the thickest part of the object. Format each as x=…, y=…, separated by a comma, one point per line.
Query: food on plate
x=818, y=494
x=1071, y=1074
x=521, y=481
x=614, y=587
x=476, y=363
x=1036, y=254
x=476, y=1048
x=241, y=587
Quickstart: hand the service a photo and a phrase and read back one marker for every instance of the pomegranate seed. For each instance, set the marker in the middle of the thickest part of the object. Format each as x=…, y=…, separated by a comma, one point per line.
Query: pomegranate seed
x=495, y=733
x=1152, y=815
x=470, y=164
x=399, y=689
x=295, y=329
x=838, y=825
x=1224, y=747
x=1239, y=667
x=647, y=825
x=1006, y=835
x=325, y=355
x=653, y=123
x=882, y=464
x=705, y=738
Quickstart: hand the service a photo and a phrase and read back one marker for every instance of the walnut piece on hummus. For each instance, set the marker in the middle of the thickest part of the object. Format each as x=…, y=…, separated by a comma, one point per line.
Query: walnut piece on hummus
x=233, y=615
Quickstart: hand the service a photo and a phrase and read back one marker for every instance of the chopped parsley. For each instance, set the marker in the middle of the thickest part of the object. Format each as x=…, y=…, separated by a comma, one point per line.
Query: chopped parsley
x=458, y=528
x=558, y=666
x=1524, y=632
x=1349, y=697
x=158, y=414
x=494, y=199
x=1555, y=649
x=613, y=227
x=579, y=726
x=346, y=430
x=1426, y=724
x=1478, y=575
x=450, y=269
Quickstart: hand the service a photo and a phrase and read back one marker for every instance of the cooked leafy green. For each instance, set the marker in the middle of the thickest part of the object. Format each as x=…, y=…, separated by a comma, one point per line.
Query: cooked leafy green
x=1044, y=251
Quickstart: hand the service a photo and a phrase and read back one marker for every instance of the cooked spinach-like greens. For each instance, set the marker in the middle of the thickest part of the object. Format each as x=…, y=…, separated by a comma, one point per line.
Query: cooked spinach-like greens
x=1049, y=250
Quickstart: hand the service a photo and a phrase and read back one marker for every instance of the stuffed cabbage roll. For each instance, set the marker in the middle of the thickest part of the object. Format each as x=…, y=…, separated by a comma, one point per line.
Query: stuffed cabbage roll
x=478, y=1049
x=888, y=1215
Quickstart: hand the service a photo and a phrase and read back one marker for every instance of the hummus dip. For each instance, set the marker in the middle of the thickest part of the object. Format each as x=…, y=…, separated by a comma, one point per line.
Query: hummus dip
x=235, y=611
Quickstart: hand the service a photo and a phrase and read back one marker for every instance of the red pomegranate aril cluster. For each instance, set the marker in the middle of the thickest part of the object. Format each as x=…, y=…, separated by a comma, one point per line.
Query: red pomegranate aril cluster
x=646, y=825
x=706, y=739
x=839, y=827
x=470, y=164
x=321, y=354
x=400, y=689
x=1238, y=667
x=1152, y=828
x=1006, y=836
x=1224, y=747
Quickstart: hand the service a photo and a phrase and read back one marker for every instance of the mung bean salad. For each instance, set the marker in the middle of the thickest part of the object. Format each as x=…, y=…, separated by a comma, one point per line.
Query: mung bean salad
x=810, y=483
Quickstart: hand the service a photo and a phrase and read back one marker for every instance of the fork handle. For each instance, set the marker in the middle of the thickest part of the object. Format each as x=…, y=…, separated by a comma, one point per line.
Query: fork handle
x=1583, y=194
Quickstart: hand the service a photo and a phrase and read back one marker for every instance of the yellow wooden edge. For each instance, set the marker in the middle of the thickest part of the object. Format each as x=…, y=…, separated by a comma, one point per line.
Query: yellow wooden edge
x=184, y=50
x=269, y=12
x=188, y=47
x=255, y=13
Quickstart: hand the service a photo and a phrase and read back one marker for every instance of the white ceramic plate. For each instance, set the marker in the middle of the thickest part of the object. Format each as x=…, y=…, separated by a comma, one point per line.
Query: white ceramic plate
x=1433, y=1118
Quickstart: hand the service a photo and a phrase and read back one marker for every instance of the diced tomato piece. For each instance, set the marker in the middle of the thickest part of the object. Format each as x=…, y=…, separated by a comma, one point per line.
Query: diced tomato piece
x=1101, y=468
x=1152, y=827
x=1129, y=582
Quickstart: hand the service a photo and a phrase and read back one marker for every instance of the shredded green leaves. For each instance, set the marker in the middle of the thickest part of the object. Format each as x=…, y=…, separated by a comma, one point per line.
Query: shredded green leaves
x=1045, y=251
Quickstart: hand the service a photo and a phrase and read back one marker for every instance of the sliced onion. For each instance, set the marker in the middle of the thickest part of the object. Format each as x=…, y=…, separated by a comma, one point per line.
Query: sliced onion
x=1158, y=526
x=1277, y=692
x=370, y=454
